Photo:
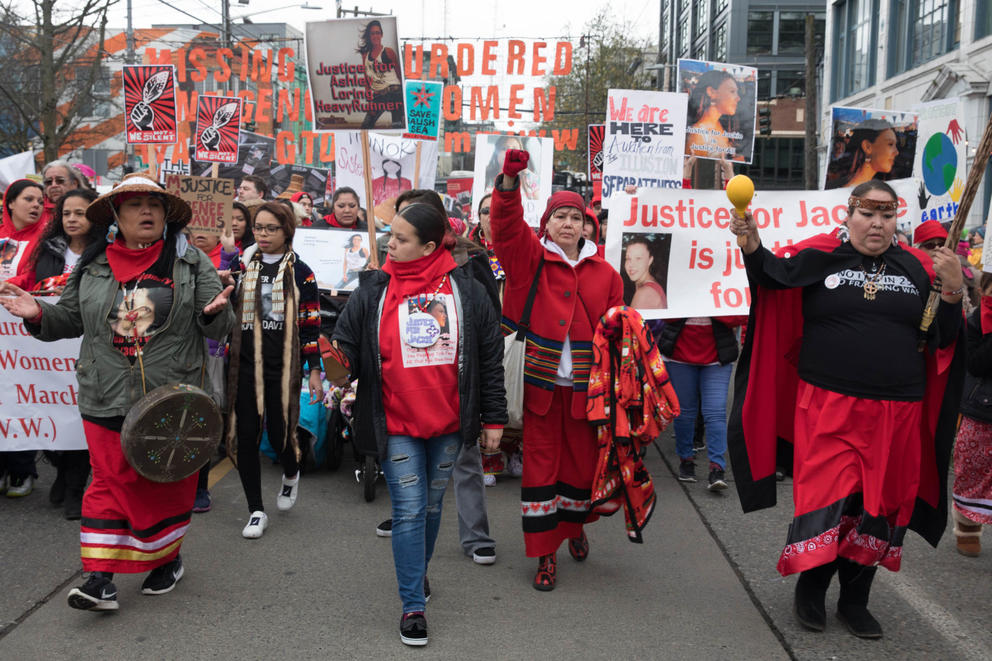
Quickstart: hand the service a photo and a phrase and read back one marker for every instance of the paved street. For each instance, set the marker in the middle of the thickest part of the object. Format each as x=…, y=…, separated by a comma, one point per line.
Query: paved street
x=320, y=585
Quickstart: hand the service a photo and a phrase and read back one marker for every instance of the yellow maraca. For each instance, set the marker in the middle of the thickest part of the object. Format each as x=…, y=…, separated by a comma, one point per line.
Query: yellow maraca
x=740, y=190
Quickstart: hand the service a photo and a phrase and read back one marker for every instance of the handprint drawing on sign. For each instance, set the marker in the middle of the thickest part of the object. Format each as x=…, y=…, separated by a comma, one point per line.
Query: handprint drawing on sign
x=955, y=131
x=142, y=115
x=210, y=138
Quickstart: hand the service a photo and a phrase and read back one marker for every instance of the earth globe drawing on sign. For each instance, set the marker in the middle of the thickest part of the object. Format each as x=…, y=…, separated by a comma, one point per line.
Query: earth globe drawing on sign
x=940, y=164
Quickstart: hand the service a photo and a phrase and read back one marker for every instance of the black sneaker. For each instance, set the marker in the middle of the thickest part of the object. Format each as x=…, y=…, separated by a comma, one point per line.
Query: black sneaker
x=484, y=556
x=413, y=629
x=384, y=529
x=716, y=481
x=98, y=593
x=427, y=590
x=687, y=471
x=163, y=579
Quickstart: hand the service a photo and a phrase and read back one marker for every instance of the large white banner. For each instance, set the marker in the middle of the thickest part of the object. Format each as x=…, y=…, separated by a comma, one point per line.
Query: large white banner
x=645, y=140
x=677, y=257
x=535, y=179
x=336, y=256
x=38, y=400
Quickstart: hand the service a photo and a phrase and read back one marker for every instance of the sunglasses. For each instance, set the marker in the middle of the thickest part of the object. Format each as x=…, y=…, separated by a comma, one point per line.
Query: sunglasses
x=56, y=180
x=931, y=245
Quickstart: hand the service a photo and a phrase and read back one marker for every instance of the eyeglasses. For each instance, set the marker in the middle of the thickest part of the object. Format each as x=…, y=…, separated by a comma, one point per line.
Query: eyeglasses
x=56, y=180
x=931, y=245
x=484, y=211
x=267, y=229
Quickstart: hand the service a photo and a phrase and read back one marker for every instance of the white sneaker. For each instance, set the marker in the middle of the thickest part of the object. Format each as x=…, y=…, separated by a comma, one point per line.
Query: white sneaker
x=489, y=480
x=18, y=487
x=290, y=490
x=257, y=523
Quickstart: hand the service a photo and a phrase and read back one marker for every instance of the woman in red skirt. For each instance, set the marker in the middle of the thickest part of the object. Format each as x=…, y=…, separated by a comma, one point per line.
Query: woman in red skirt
x=575, y=288
x=831, y=364
x=147, y=289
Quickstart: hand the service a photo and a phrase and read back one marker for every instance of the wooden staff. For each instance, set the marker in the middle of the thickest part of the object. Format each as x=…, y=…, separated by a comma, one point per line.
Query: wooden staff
x=370, y=210
x=975, y=177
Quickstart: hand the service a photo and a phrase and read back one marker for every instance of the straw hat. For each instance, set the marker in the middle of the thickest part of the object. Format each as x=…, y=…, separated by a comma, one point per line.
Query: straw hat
x=101, y=211
x=295, y=186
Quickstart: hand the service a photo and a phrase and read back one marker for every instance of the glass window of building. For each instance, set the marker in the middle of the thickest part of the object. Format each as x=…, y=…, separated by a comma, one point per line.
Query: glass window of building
x=789, y=80
x=764, y=84
x=683, y=44
x=983, y=20
x=719, y=7
x=791, y=33
x=760, y=28
x=922, y=30
x=855, y=45
x=700, y=17
x=719, y=49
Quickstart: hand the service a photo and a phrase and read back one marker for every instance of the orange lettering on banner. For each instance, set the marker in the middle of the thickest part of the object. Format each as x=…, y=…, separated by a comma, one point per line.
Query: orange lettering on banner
x=489, y=57
x=516, y=98
x=287, y=70
x=326, y=147
x=223, y=74
x=538, y=60
x=308, y=137
x=196, y=57
x=413, y=61
x=438, y=67
x=516, y=56
x=261, y=64
x=451, y=102
x=285, y=148
x=567, y=139
x=563, y=59
x=457, y=141
x=491, y=104
x=465, y=59
x=307, y=107
x=245, y=58
x=544, y=104
x=289, y=101
x=247, y=105
x=186, y=106
x=264, y=108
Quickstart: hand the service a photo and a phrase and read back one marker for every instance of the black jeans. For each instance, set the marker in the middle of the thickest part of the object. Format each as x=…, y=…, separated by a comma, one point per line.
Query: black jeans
x=249, y=430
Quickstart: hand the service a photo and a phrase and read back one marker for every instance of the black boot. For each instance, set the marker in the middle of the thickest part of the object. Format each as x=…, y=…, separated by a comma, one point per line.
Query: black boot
x=57, y=493
x=811, y=593
x=852, y=607
x=77, y=472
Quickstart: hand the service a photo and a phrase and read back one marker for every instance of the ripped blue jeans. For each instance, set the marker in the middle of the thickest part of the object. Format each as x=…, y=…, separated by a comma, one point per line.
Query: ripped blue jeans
x=417, y=472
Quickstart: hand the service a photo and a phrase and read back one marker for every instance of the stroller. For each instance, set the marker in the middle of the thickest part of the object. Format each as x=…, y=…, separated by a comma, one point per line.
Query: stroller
x=339, y=429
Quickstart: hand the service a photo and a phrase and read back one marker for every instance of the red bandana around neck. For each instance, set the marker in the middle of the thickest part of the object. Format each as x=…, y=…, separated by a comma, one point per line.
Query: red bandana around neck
x=418, y=275
x=128, y=264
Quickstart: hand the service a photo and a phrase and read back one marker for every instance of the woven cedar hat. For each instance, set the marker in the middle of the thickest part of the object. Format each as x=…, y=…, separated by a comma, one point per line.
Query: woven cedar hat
x=101, y=210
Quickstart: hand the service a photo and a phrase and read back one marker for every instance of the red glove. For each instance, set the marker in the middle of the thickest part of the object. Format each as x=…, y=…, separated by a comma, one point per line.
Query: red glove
x=515, y=161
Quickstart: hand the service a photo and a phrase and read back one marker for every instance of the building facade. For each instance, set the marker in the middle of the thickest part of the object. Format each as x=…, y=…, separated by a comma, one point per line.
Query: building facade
x=894, y=54
x=768, y=35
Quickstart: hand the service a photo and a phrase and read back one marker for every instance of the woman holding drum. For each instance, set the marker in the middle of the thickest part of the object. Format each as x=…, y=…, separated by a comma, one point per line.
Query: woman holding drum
x=143, y=301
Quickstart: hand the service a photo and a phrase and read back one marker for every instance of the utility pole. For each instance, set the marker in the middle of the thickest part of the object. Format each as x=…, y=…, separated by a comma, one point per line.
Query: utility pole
x=810, y=174
x=130, y=35
x=225, y=36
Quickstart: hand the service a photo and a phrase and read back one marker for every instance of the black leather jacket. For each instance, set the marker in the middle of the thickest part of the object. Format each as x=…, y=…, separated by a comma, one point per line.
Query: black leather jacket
x=481, y=394
x=976, y=400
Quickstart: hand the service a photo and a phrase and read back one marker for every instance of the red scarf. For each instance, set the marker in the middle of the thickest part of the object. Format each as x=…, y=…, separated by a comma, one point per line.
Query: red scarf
x=986, y=306
x=416, y=276
x=128, y=264
x=333, y=222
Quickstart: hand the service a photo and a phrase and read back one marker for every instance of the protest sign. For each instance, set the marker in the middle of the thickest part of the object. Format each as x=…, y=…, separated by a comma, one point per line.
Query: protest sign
x=535, y=179
x=396, y=164
x=218, y=124
x=723, y=103
x=458, y=189
x=316, y=182
x=674, y=249
x=149, y=104
x=15, y=167
x=941, y=160
x=38, y=405
x=645, y=140
x=594, y=151
x=423, y=109
x=209, y=198
x=336, y=256
x=355, y=74
x=870, y=144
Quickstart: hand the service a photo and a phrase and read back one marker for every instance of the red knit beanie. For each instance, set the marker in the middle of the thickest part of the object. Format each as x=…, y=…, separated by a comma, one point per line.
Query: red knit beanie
x=927, y=230
x=559, y=200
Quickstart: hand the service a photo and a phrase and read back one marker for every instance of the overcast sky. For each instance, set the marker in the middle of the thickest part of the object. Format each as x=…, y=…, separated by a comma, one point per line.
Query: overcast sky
x=417, y=18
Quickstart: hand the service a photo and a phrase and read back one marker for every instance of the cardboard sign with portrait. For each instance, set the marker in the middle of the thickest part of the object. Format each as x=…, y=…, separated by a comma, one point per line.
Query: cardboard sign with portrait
x=355, y=73
x=870, y=144
x=535, y=179
x=149, y=104
x=721, y=111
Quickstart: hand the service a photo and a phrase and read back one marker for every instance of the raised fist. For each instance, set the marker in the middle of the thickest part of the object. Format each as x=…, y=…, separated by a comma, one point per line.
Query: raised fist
x=210, y=138
x=515, y=161
x=142, y=116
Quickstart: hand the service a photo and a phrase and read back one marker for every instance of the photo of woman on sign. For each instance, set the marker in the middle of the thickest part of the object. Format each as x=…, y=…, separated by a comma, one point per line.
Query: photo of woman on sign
x=383, y=72
x=721, y=110
x=645, y=270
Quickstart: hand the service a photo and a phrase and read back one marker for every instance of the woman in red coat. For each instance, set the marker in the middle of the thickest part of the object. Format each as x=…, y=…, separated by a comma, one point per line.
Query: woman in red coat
x=575, y=288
